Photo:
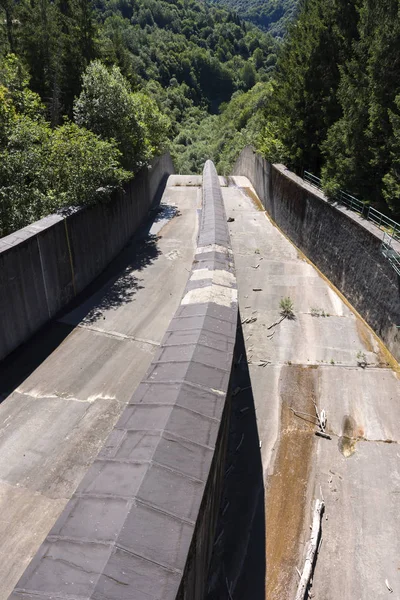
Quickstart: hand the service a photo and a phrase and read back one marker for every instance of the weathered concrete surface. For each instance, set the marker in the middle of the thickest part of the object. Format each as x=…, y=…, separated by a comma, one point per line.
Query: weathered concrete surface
x=56, y=419
x=314, y=359
x=141, y=522
x=344, y=247
x=46, y=264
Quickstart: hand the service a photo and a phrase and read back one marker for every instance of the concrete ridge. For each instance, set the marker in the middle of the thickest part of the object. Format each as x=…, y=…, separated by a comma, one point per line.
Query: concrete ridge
x=141, y=523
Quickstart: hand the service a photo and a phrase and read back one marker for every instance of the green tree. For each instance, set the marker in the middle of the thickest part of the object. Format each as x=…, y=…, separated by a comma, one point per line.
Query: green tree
x=308, y=75
x=43, y=169
x=108, y=107
x=361, y=146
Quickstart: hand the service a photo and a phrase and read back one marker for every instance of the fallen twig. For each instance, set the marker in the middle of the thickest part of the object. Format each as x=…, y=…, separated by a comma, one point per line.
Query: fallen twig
x=388, y=586
x=312, y=549
x=323, y=434
x=257, y=289
x=299, y=412
x=240, y=443
x=321, y=418
x=227, y=587
x=249, y=320
x=277, y=323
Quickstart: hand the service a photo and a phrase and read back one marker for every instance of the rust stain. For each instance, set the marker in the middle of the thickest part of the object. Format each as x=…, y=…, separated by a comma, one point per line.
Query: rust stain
x=254, y=198
x=287, y=486
x=364, y=335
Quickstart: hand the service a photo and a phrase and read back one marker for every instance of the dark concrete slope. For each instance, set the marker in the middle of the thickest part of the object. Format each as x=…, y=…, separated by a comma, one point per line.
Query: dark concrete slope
x=142, y=521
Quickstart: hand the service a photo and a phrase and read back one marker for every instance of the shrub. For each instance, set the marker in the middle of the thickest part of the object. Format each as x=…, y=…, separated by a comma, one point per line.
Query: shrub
x=286, y=306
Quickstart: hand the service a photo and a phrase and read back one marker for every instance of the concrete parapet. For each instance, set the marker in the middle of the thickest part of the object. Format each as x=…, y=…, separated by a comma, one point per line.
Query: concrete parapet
x=141, y=524
x=341, y=244
x=44, y=265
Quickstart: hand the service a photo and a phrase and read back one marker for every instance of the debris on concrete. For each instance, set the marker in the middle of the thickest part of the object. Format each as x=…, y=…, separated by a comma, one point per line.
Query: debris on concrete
x=322, y=422
x=249, y=320
x=388, y=586
x=323, y=435
x=311, y=551
x=263, y=363
x=240, y=443
x=257, y=289
x=276, y=323
x=230, y=220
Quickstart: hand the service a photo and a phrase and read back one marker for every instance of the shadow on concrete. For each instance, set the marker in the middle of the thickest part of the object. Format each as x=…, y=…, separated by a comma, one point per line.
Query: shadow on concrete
x=115, y=286
x=165, y=212
x=238, y=564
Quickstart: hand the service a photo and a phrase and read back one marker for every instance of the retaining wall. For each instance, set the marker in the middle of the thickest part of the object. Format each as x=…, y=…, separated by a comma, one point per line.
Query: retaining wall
x=342, y=245
x=44, y=265
x=142, y=522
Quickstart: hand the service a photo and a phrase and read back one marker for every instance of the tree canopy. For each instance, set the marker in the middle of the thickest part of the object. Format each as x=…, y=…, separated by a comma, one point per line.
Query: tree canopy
x=118, y=79
x=335, y=107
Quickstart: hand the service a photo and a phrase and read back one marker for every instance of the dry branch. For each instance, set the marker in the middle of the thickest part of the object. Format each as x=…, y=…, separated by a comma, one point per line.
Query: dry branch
x=323, y=434
x=311, y=551
x=277, y=323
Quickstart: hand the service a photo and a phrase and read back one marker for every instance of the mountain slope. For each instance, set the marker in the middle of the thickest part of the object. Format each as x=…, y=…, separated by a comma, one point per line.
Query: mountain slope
x=270, y=15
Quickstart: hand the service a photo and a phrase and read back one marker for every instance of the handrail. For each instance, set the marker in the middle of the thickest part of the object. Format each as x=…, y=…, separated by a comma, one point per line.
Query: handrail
x=390, y=253
x=383, y=222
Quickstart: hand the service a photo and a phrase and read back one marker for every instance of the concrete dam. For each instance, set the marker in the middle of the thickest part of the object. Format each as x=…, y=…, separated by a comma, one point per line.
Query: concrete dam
x=157, y=422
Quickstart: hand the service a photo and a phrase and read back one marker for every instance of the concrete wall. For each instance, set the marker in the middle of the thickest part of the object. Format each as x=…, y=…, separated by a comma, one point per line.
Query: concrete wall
x=43, y=266
x=142, y=522
x=343, y=246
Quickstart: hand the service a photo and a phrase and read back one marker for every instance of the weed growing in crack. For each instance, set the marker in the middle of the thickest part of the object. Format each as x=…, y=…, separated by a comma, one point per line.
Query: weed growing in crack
x=287, y=309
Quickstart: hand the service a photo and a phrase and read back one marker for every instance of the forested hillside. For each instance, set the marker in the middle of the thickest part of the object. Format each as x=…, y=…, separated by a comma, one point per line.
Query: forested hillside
x=90, y=91
x=335, y=109
x=273, y=16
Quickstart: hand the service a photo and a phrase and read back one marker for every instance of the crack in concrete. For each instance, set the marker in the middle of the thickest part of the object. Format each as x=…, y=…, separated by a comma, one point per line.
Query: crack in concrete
x=348, y=366
x=118, y=335
x=35, y=394
x=361, y=438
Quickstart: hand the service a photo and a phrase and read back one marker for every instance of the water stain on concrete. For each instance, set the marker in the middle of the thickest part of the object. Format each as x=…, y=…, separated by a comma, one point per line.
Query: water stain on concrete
x=287, y=486
x=352, y=433
x=254, y=198
x=364, y=335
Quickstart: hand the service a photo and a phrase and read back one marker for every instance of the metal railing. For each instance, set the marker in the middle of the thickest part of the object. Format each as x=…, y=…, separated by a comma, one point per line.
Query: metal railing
x=385, y=223
x=390, y=227
x=390, y=253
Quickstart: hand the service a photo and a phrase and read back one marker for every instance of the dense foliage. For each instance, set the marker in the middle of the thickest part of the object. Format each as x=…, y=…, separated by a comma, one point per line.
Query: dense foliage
x=107, y=84
x=43, y=168
x=335, y=109
x=221, y=137
x=273, y=16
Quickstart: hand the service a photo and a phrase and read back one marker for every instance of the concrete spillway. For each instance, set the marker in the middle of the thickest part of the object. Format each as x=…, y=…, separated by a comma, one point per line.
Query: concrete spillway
x=315, y=357
x=64, y=391
x=241, y=441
